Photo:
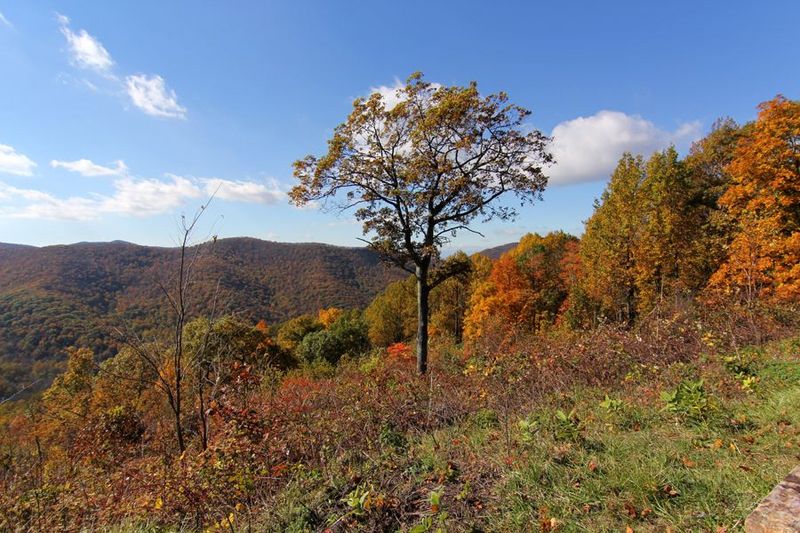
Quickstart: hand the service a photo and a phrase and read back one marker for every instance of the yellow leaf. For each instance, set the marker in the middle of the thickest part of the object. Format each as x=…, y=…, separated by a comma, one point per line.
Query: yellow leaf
x=159, y=503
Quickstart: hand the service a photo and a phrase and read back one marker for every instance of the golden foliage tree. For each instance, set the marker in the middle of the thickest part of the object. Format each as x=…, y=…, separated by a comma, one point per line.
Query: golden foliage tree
x=608, y=244
x=328, y=316
x=67, y=402
x=663, y=234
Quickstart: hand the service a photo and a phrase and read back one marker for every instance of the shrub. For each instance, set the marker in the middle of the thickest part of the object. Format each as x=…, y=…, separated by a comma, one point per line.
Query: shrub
x=689, y=401
x=347, y=336
x=389, y=437
x=122, y=425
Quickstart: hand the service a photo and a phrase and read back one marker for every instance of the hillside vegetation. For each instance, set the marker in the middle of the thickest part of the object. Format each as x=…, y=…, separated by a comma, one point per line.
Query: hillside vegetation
x=667, y=426
x=55, y=297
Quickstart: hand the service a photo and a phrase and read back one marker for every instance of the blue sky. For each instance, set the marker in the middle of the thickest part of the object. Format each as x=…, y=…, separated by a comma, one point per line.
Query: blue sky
x=116, y=117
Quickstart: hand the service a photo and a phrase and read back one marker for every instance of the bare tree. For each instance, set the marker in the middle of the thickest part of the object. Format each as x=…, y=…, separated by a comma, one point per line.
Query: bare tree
x=167, y=362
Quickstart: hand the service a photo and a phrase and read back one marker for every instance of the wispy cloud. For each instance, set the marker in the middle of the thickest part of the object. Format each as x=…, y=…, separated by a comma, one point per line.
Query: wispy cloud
x=13, y=162
x=85, y=50
x=85, y=167
x=151, y=95
x=4, y=21
x=33, y=204
x=144, y=197
x=245, y=191
x=131, y=197
x=135, y=197
x=588, y=148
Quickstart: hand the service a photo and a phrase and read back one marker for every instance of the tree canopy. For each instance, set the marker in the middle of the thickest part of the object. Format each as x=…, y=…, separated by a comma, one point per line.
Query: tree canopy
x=421, y=165
x=764, y=201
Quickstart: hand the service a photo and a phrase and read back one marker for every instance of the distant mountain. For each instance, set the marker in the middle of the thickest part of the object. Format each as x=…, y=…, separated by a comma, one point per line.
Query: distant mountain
x=11, y=246
x=497, y=251
x=59, y=296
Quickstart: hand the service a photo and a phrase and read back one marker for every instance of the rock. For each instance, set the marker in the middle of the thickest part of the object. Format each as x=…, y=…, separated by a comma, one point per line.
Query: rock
x=779, y=512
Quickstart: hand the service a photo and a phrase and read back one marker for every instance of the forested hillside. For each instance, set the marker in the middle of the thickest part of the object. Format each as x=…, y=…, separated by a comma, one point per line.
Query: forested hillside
x=75, y=295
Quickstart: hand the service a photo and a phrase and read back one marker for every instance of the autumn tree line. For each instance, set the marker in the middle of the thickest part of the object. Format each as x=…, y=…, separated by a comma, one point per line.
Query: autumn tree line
x=419, y=169
x=719, y=227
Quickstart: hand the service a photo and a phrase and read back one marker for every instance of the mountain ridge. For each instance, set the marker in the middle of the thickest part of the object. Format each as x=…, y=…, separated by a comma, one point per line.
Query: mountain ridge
x=496, y=251
x=57, y=296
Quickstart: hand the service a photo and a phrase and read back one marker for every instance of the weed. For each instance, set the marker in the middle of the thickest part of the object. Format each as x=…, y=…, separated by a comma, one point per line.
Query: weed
x=567, y=426
x=611, y=405
x=689, y=401
x=528, y=429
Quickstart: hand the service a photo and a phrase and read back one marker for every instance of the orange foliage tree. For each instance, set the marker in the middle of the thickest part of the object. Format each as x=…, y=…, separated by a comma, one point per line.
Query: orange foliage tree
x=527, y=285
x=763, y=201
x=328, y=316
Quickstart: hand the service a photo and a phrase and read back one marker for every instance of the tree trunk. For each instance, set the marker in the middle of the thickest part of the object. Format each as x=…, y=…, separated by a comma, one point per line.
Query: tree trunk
x=201, y=411
x=178, y=362
x=423, y=291
x=179, y=429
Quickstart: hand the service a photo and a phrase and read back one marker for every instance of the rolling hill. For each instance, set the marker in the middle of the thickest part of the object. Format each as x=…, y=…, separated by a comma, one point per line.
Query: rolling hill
x=59, y=296
x=495, y=252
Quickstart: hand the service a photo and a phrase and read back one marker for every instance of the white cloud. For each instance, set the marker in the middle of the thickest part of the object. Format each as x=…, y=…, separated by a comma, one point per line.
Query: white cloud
x=147, y=92
x=244, y=191
x=8, y=192
x=86, y=167
x=131, y=197
x=144, y=197
x=391, y=94
x=86, y=51
x=135, y=197
x=588, y=148
x=4, y=21
x=13, y=162
x=43, y=205
x=151, y=95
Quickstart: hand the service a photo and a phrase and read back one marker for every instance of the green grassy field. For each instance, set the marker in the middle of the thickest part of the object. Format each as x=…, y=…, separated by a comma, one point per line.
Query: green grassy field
x=628, y=460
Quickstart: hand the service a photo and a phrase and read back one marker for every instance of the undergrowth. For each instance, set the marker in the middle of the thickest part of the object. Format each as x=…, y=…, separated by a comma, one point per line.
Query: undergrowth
x=523, y=442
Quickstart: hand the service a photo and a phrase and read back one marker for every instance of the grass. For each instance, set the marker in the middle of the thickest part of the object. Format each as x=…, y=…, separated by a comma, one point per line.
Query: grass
x=641, y=467
x=595, y=460
x=688, y=447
